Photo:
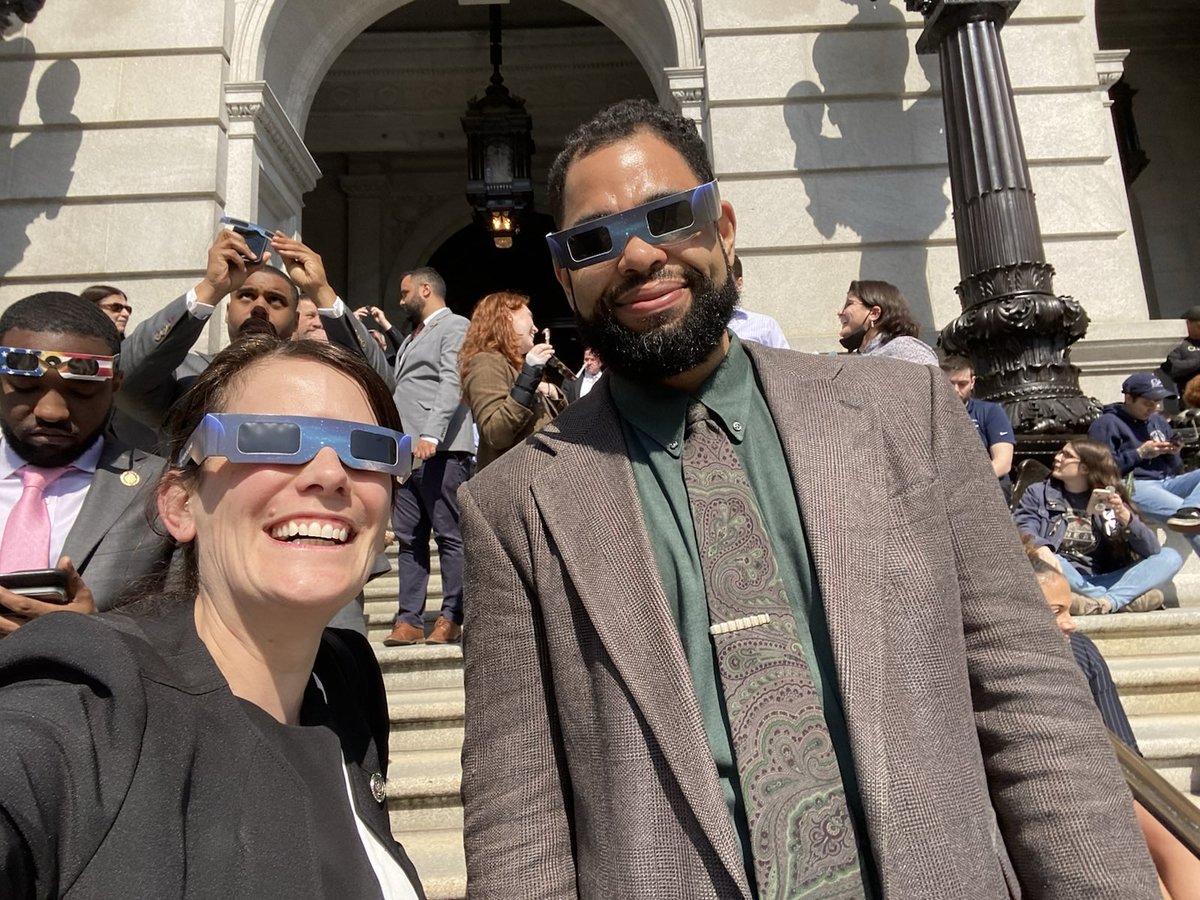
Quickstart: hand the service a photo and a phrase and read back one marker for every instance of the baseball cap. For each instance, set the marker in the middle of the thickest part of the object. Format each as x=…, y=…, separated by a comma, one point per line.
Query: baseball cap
x=1192, y=313
x=1143, y=384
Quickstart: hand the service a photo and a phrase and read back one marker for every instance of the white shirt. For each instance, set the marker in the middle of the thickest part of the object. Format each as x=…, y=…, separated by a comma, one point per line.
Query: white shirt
x=587, y=382
x=64, y=498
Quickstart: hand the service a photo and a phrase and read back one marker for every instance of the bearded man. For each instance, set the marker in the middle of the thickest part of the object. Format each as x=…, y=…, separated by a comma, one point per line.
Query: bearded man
x=744, y=622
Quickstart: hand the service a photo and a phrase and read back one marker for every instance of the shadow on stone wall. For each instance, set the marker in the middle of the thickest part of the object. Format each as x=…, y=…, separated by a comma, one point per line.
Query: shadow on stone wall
x=38, y=168
x=893, y=211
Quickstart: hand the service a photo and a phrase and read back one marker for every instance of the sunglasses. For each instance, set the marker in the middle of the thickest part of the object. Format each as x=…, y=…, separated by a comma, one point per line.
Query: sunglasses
x=294, y=440
x=71, y=366
x=117, y=307
x=672, y=218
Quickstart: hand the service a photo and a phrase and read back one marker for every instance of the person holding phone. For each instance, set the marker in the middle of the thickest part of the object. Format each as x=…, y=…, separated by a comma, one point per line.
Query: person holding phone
x=216, y=739
x=502, y=361
x=1081, y=519
x=1145, y=447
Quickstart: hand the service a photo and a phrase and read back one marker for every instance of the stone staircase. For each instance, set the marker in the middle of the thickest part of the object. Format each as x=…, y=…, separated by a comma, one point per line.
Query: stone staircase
x=425, y=703
x=1154, y=658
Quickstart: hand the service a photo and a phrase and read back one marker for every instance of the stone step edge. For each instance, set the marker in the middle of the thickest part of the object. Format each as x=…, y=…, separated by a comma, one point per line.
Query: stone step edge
x=1150, y=672
x=437, y=711
x=416, y=655
x=1167, y=621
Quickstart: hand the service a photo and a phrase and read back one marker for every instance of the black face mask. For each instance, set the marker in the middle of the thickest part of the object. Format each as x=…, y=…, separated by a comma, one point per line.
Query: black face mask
x=854, y=339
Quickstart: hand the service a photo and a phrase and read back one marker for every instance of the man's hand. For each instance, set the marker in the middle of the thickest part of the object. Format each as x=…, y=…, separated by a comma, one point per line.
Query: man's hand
x=226, y=268
x=304, y=266
x=16, y=609
x=1118, y=505
x=549, y=391
x=375, y=313
x=1152, y=448
x=424, y=449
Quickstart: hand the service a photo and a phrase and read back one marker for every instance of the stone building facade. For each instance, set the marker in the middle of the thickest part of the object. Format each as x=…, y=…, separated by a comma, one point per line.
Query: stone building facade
x=127, y=130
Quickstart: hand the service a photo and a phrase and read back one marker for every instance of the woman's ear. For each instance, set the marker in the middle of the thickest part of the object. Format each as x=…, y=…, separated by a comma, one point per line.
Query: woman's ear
x=174, y=508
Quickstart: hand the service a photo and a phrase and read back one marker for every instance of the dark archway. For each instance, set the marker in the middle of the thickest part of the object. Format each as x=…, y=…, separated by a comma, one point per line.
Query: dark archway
x=473, y=267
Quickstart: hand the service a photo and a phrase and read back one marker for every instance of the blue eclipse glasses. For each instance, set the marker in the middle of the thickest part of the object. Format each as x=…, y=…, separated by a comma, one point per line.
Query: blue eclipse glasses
x=294, y=440
x=662, y=221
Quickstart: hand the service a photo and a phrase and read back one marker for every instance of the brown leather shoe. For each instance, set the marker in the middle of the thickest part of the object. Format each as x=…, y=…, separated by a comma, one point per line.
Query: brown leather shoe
x=444, y=632
x=404, y=635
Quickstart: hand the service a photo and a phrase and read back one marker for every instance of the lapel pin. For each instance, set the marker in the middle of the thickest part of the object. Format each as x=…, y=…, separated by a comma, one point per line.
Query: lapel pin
x=130, y=478
x=739, y=624
x=378, y=787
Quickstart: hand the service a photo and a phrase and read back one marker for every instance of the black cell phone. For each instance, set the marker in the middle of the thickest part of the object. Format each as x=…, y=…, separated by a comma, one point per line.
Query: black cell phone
x=48, y=585
x=257, y=238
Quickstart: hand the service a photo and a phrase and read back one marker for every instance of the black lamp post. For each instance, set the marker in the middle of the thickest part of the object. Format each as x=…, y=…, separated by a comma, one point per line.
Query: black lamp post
x=499, y=151
x=1013, y=327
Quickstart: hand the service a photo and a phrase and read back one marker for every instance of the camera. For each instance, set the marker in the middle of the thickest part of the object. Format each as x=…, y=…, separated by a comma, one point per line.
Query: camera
x=257, y=238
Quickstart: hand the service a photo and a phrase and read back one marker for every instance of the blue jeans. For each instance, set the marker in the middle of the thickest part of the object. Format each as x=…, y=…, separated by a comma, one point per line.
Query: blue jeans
x=1123, y=585
x=1158, y=500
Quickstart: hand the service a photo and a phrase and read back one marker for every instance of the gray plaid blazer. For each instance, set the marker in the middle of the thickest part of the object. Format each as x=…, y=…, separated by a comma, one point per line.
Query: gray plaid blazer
x=984, y=769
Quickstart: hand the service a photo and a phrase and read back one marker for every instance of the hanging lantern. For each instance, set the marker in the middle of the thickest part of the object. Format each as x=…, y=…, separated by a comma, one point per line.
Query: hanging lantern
x=499, y=152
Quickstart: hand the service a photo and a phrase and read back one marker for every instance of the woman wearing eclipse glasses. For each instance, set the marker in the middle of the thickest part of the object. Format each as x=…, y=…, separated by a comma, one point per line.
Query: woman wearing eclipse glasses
x=218, y=740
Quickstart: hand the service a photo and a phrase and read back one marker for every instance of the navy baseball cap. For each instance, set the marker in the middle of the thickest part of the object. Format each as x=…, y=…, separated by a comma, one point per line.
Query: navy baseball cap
x=1143, y=384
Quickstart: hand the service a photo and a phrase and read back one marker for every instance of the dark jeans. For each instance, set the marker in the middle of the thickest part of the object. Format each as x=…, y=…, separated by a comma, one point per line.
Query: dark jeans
x=427, y=502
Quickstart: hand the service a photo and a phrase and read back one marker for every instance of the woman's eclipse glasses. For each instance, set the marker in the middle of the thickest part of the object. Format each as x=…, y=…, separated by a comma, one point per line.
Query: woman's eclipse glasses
x=662, y=221
x=294, y=440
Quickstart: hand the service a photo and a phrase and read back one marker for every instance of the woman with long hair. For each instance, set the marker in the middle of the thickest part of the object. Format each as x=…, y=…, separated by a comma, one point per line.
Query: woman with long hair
x=501, y=367
x=875, y=321
x=1081, y=519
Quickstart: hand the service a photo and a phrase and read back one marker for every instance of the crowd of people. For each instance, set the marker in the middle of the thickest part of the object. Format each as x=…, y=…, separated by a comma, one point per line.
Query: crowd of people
x=728, y=609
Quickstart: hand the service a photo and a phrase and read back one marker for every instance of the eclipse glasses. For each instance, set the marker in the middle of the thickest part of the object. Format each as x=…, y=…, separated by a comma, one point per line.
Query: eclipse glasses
x=294, y=440
x=662, y=221
x=71, y=366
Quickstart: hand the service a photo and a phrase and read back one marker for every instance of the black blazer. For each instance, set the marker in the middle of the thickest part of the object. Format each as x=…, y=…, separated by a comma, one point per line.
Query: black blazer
x=128, y=768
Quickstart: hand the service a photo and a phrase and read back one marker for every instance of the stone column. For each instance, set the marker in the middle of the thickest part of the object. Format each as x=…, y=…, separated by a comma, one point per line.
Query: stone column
x=1013, y=327
x=364, y=217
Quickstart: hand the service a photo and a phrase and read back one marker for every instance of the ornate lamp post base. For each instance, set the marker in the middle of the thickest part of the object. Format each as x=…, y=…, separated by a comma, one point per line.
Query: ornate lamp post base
x=1013, y=327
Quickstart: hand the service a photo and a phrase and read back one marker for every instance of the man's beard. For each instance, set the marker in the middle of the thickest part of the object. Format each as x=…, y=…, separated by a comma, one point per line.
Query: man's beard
x=667, y=347
x=258, y=322
x=47, y=456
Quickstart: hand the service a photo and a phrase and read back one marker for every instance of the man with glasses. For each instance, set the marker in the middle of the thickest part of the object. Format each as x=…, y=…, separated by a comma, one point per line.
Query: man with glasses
x=66, y=488
x=751, y=623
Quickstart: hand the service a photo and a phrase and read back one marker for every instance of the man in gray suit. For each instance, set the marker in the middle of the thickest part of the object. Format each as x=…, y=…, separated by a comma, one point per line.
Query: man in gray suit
x=431, y=409
x=605, y=743
x=157, y=357
x=67, y=490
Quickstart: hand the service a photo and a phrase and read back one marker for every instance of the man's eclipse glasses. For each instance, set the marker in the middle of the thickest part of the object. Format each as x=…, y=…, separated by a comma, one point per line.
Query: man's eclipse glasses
x=71, y=366
x=662, y=221
x=294, y=440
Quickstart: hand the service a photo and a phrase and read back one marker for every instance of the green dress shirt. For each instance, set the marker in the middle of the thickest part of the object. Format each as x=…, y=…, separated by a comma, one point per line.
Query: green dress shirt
x=653, y=418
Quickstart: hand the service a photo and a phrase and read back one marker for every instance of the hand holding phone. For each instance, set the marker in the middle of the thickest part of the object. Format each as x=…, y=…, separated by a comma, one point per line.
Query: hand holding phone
x=1098, y=501
x=31, y=594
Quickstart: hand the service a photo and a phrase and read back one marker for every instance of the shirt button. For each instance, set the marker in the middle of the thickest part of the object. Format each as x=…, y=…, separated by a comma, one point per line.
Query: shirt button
x=737, y=426
x=674, y=445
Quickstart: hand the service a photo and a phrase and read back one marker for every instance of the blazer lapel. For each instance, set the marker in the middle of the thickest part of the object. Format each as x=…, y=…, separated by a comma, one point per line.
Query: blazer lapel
x=107, y=499
x=590, y=505
x=828, y=433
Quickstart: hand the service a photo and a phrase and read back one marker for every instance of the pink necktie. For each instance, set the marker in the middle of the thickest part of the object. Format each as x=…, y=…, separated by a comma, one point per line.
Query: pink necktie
x=26, y=543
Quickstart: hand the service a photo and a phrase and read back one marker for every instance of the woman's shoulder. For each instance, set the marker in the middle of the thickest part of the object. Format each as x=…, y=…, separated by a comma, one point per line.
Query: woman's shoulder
x=96, y=645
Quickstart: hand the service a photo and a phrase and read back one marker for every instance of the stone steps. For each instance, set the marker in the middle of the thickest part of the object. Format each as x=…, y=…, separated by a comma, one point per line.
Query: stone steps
x=1164, y=631
x=1171, y=743
x=438, y=856
x=423, y=790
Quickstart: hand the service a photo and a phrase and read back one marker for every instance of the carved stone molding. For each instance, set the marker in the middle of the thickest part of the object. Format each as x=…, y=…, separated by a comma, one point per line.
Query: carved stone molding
x=255, y=113
x=689, y=90
x=1110, y=66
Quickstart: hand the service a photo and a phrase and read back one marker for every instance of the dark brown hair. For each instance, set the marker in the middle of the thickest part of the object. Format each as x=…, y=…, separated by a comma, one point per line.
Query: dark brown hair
x=896, y=319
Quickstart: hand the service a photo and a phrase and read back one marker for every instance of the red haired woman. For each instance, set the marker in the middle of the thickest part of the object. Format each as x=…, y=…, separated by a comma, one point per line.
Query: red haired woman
x=501, y=368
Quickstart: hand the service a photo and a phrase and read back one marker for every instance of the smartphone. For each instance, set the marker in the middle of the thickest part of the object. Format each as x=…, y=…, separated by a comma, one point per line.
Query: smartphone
x=1098, y=502
x=48, y=585
x=257, y=238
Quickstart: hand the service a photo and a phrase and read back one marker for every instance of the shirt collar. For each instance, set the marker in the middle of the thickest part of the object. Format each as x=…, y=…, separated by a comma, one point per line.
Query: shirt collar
x=660, y=413
x=433, y=315
x=10, y=462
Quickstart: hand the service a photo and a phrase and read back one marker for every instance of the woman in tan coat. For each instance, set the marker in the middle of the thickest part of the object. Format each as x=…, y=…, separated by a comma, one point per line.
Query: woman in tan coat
x=501, y=369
